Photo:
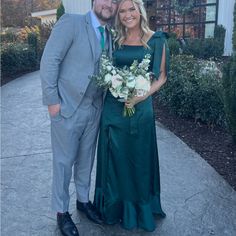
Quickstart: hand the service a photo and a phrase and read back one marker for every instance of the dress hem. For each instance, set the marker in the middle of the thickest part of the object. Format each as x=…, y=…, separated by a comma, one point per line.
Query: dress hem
x=129, y=214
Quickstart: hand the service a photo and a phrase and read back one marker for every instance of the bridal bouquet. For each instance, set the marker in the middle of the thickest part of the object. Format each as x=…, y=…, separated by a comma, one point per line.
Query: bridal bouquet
x=124, y=83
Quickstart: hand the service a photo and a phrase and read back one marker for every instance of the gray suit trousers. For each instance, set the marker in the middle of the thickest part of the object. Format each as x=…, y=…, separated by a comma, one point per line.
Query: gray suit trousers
x=73, y=145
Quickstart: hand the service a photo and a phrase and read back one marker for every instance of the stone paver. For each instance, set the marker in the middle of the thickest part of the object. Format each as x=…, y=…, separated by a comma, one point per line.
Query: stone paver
x=195, y=197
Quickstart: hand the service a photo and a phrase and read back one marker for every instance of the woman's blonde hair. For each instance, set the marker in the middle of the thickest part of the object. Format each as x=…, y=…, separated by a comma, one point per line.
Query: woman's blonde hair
x=121, y=29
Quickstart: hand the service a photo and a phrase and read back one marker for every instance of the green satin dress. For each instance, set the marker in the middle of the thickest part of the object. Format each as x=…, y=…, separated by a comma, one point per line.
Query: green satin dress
x=127, y=187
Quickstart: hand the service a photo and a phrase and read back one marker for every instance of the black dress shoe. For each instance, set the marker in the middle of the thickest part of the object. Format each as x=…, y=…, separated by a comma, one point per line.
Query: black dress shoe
x=90, y=210
x=66, y=225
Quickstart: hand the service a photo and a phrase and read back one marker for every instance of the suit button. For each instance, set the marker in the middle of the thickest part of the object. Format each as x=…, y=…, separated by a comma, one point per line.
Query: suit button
x=81, y=93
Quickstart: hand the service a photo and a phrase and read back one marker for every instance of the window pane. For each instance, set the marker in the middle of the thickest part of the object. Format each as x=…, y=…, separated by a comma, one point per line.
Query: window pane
x=164, y=28
x=208, y=13
x=192, y=17
x=178, y=29
x=202, y=31
x=163, y=3
x=168, y=19
x=191, y=31
x=176, y=17
x=162, y=17
x=210, y=1
x=205, y=1
x=209, y=30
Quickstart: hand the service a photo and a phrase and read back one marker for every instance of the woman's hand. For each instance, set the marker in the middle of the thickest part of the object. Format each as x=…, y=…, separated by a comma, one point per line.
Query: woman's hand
x=130, y=103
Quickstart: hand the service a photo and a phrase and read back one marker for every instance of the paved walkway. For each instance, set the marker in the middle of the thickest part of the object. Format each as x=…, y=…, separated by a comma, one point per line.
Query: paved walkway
x=197, y=200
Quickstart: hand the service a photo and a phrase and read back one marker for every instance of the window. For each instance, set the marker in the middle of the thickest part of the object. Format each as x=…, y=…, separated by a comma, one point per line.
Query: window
x=199, y=23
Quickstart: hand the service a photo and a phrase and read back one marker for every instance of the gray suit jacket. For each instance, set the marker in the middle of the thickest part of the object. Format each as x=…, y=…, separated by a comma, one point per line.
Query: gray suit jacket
x=70, y=57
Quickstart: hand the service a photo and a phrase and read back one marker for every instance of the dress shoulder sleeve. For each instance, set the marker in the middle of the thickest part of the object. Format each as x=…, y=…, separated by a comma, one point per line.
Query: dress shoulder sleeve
x=160, y=42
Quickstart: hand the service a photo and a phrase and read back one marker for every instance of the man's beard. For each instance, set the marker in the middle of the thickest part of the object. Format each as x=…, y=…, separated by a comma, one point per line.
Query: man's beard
x=103, y=18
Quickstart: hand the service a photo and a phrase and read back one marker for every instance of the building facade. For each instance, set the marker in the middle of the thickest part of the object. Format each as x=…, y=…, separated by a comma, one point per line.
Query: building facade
x=46, y=17
x=200, y=22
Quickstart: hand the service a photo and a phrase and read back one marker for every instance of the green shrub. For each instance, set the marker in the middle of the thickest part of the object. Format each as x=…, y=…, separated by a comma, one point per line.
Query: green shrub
x=234, y=31
x=174, y=46
x=60, y=11
x=219, y=33
x=192, y=90
x=17, y=58
x=33, y=42
x=229, y=87
x=45, y=31
x=229, y=95
x=8, y=37
x=219, y=38
x=32, y=39
x=203, y=48
x=207, y=48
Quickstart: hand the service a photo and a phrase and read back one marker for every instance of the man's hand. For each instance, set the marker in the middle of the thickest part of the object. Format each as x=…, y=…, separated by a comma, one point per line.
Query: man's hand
x=54, y=109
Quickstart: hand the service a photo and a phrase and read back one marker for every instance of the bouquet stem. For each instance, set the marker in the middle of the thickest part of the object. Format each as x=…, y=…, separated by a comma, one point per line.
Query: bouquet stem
x=128, y=111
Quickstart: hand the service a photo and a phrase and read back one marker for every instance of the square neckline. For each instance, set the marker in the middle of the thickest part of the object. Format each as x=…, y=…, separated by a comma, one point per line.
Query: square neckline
x=127, y=45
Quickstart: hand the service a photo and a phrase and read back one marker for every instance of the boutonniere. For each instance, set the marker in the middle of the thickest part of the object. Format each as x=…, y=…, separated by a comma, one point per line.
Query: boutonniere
x=113, y=33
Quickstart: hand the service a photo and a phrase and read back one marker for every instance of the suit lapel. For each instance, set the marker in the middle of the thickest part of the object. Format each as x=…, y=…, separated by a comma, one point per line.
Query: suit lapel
x=92, y=37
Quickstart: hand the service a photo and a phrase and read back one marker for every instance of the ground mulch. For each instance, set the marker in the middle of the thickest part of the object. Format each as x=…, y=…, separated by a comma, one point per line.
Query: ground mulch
x=214, y=144
x=8, y=78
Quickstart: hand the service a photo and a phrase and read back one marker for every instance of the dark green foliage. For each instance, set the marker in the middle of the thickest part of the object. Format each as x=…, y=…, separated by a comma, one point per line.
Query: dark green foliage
x=33, y=42
x=192, y=90
x=219, y=37
x=229, y=95
x=204, y=48
x=8, y=37
x=234, y=31
x=173, y=44
x=32, y=39
x=60, y=11
x=229, y=85
x=207, y=48
x=17, y=58
x=219, y=33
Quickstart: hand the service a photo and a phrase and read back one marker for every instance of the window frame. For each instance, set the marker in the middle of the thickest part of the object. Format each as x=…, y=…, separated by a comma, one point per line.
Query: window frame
x=198, y=23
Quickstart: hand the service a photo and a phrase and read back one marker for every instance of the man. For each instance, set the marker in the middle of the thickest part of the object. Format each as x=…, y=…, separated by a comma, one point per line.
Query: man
x=74, y=103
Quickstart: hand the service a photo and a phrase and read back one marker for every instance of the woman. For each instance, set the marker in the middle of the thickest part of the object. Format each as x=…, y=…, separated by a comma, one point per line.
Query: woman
x=127, y=183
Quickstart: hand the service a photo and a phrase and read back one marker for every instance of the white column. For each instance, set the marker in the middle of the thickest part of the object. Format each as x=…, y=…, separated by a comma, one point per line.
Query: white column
x=225, y=18
x=77, y=6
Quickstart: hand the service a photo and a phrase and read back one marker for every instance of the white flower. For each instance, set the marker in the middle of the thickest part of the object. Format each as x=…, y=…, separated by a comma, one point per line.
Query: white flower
x=113, y=33
x=108, y=78
x=126, y=82
x=114, y=92
x=116, y=81
x=109, y=68
x=131, y=82
x=114, y=72
x=142, y=83
x=124, y=93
